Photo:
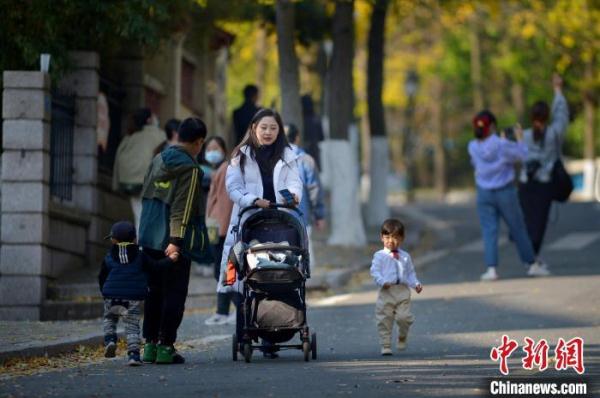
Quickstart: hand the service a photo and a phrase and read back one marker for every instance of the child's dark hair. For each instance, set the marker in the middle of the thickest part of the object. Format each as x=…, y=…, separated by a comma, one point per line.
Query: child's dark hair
x=191, y=130
x=540, y=111
x=392, y=226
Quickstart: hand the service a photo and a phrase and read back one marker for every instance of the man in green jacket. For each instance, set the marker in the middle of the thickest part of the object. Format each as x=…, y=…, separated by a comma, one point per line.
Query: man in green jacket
x=172, y=220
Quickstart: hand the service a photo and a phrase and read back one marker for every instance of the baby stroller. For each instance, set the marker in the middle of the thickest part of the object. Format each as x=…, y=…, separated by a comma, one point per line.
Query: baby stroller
x=271, y=260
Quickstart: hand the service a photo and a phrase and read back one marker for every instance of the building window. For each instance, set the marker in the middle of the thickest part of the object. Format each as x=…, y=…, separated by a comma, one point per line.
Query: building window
x=187, y=83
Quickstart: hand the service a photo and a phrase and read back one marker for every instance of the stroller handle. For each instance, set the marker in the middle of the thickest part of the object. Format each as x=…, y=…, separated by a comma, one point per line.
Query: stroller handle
x=271, y=206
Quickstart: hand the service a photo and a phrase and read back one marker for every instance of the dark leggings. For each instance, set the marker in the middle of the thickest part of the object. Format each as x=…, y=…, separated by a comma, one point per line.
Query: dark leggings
x=223, y=299
x=536, y=201
x=165, y=304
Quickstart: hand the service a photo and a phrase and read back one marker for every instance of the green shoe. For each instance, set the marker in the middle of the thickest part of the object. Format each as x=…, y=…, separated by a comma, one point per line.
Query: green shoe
x=166, y=354
x=149, y=353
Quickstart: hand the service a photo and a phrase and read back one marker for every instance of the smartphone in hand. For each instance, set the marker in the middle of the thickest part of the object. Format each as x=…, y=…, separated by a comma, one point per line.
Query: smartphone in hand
x=287, y=196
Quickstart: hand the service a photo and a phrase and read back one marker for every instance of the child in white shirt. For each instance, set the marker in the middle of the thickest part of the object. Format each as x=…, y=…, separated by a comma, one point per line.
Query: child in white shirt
x=393, y=271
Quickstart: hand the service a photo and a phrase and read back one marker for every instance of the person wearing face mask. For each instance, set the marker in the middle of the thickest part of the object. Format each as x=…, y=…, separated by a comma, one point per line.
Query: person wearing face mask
x=494, y=158
x=218, y=213
x=262, y=165
x=544, y=141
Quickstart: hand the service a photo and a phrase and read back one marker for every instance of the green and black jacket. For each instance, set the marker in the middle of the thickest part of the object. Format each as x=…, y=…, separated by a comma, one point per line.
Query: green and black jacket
x=172, y=207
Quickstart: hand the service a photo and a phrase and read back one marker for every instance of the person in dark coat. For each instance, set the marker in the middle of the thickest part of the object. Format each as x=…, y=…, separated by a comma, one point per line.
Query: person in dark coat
x=313, y=131
x=244, y=114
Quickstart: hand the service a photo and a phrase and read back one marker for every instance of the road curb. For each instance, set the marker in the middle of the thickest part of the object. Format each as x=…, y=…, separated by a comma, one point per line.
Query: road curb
x=53, y=349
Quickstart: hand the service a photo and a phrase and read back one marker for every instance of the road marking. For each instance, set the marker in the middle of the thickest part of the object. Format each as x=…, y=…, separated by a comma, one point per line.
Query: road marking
x=574, y=241
x=477, y=246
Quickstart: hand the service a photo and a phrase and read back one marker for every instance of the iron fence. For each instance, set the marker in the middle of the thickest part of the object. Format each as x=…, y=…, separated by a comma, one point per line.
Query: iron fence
x=61, y=145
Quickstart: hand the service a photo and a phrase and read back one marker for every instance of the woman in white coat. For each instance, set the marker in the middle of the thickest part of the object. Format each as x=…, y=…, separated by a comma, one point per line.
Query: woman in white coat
x=261, y=166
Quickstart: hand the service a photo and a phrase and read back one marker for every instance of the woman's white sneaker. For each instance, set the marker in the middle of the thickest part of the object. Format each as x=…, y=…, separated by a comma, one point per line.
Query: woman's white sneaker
x=490, y=274
x=537, y=269
x=216, y=319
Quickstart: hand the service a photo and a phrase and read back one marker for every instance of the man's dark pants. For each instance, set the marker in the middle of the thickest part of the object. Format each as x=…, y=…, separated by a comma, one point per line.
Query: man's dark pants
x=165, y=304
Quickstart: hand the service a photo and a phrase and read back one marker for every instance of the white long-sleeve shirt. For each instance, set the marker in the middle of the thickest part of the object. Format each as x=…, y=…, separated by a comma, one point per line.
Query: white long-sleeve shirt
x=386, y=269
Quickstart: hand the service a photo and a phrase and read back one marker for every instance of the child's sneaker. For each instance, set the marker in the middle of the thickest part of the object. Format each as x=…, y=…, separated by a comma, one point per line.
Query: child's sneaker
x=401, y=343
x=489, y=275
x=110, y=349
x=134, y=358
x=386, y=351
x=149, y=352
x=537, y=269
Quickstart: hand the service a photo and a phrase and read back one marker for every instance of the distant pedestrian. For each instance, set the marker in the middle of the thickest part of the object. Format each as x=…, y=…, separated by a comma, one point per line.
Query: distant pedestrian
x=218, y=215
x=172, y=221
x=544, y=141
x=312, y=205
x=244, y=114
x=171, y=133
x=134, y=155
x=313, y=130
x=124, y=286
x=494, y=158
x=393, y=271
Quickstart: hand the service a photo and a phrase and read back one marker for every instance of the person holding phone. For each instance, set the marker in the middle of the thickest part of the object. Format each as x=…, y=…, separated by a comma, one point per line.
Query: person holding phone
x=262, y=165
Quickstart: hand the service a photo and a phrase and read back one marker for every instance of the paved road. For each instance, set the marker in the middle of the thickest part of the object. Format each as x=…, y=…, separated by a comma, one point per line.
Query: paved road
x=459, y=319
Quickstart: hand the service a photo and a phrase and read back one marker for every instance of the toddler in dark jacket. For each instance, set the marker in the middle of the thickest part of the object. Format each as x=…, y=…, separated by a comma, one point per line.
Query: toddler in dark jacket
x=124, y=287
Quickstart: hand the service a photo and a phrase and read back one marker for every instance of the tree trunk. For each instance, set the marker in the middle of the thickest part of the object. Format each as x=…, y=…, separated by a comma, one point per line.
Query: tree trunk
x=588, y=109
x=261, y=55
x=291, y=109
x=377, y=208
x=439, y=154
x=340, y=158
x=476, y=78
x=518, y=100
x=340, y=81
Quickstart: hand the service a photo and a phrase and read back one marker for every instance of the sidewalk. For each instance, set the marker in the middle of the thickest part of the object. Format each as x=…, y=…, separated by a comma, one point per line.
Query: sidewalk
x=336, y=266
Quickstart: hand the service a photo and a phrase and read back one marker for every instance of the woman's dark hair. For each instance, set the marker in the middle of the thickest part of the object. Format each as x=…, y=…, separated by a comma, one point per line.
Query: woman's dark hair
x=540, y=111
x=191, y=129
x=220, y=142
x=171, y=127
x=140, y=118
x=482, y=123
x=251, y=140
x=292, y=132
x=392, y=226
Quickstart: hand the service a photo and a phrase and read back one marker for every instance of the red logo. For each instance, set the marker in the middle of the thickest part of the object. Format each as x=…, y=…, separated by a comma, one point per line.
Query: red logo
x=567, y=354
x=536, y=354
x=503, y=352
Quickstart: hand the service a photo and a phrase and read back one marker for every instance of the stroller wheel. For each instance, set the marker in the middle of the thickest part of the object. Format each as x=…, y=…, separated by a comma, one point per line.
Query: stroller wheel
x=306, y=350
x=313, y=345
x=247, y=352
x=234, y=347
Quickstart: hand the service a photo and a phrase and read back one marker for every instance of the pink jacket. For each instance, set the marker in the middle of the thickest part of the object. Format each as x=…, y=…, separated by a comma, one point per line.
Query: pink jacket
x=218, y=204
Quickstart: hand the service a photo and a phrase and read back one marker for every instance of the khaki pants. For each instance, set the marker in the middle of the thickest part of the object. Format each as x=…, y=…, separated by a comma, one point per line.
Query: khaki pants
x=393, y=304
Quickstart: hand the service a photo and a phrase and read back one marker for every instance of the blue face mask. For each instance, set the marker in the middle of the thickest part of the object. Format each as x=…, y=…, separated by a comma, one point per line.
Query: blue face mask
x=214, y=157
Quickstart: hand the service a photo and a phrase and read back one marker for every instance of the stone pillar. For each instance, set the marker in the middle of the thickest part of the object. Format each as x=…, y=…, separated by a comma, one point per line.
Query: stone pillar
x=24, y=257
